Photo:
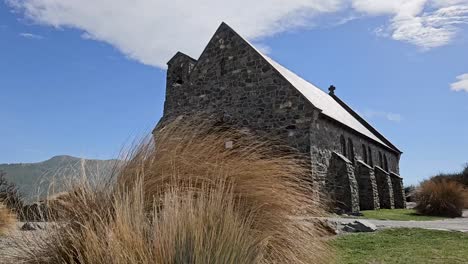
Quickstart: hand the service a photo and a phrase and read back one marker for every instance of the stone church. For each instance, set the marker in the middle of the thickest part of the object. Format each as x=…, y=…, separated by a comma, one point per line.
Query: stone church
x=350, y=160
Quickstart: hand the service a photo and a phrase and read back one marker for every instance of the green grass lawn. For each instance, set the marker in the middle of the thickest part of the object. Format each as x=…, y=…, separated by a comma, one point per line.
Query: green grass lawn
x=402, y=245
x=398, y=214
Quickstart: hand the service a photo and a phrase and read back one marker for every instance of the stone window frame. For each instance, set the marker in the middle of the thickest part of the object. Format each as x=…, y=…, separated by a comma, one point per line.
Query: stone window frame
x=385, y=160
x=351, y=153
x=344, y=149
x=371, y=159
x=364, y=154
x=222, y=67
x=381, y=164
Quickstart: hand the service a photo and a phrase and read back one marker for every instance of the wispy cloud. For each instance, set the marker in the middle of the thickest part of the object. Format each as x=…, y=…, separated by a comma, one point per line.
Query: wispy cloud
x=30, y=35
x=425, y=23
x=371, y=114
x=151, y=31
x=461, y=84
x=263, y=48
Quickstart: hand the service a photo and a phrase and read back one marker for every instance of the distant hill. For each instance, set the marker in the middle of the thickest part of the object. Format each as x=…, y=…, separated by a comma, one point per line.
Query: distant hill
x=35, y=180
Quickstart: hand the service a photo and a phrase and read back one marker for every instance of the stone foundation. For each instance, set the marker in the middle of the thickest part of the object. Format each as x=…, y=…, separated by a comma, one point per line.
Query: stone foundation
x=385, y=188
x=368, y=192
x=398, y=190
x=345, y=186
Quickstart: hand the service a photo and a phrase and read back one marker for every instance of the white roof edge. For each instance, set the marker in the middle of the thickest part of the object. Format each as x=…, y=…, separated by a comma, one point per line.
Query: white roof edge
x=323, y=101
x=320, y=99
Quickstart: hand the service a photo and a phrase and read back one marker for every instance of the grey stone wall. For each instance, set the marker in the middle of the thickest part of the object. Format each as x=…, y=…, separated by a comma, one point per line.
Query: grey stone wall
x=398, y=191
x=234, y=84
x=368, y=193
x=325, y=138
x=344, y=186
x=179, y=70
x=384, y=185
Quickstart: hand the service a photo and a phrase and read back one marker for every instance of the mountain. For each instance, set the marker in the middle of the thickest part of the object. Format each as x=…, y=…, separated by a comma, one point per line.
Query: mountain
x=35, y=180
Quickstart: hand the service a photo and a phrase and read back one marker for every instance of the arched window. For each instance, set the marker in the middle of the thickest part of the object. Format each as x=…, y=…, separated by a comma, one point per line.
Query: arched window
x=222, y=67
x=371, y=160
x=343, y=145
x=364, y=153
x=380, y=160
x=350, y=150
x=385, y=163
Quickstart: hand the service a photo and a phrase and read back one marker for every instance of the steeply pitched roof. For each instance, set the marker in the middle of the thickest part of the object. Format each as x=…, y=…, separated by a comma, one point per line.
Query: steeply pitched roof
x=329, y=106
x=324, y=102
x=321, y=100
x=364, y=122
x=180, y=54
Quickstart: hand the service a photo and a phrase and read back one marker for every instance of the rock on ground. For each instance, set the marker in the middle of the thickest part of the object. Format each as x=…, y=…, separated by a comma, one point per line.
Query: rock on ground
x=359, y=226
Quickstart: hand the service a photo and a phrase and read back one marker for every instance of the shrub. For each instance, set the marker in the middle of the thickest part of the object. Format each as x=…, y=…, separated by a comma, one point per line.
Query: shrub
x=10, y=195
x=7, y=219
x=188, y=197
x=441, y=197
x=461, y=177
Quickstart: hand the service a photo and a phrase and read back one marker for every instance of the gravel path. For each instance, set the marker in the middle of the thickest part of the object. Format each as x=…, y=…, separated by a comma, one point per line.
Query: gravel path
x=455, y=224
x=8, y=241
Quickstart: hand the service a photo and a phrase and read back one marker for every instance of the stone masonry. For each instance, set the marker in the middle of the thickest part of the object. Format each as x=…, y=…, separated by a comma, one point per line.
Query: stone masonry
x=345, y=187
x=368, y=192
x=398, y=190
x=237, y=85
x=384, y=185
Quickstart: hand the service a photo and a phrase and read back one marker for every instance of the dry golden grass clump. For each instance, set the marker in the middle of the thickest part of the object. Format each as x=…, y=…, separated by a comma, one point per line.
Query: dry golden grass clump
x=195, y=194
x=7, y=219
x=441, y=197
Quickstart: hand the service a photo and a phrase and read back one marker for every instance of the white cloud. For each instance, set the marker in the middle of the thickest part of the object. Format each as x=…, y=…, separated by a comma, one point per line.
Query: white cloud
x=461, y=84
x=386, y=7
x=385, y=115
x=393, y=117
x=151, y=31
x=30, y=35
x=424, y=23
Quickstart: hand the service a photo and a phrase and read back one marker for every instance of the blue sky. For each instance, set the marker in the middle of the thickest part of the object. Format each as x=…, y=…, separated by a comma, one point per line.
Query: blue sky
x=81, y=82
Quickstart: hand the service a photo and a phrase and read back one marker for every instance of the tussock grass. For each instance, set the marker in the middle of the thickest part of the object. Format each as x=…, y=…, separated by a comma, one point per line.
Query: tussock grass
x=461, y=177
x=7, y=219
x=441, y=197
x=186, y=198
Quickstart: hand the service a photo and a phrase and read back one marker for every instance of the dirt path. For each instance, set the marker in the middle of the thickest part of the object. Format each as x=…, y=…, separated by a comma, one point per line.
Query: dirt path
x=455, y=224
x=8, y=241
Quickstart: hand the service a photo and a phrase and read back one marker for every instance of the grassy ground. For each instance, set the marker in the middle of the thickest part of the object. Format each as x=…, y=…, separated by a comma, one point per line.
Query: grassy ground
x=398, y=214
x=403, y=246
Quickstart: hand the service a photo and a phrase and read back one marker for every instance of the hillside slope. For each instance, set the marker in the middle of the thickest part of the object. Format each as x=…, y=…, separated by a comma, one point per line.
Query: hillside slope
x=35, y=180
